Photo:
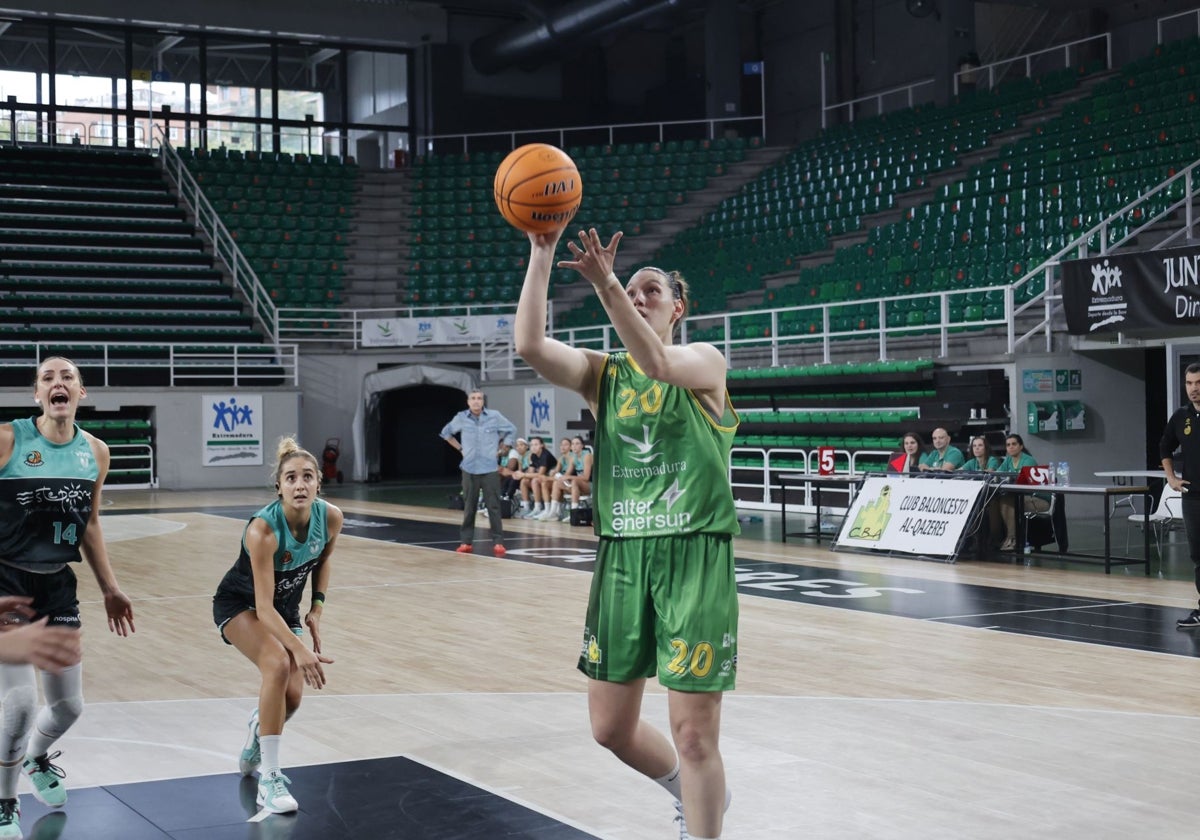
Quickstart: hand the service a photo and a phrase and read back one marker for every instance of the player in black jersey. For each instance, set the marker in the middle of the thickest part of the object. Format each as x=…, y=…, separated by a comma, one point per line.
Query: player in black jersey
x=257, y=609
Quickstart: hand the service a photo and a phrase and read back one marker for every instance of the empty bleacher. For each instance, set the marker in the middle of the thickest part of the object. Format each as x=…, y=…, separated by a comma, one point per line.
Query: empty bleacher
x=987, y=225
x=98, y=262
x=463, y=252
x=289, y=214
x=861, y=410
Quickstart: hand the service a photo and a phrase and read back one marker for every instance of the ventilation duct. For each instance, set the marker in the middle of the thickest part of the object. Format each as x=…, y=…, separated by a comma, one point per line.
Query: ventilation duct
x=574, y=22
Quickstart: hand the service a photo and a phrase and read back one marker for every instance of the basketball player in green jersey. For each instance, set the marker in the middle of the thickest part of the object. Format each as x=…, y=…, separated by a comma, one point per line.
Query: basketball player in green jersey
x=257, y=609
x=51, y=476
x=663, y=598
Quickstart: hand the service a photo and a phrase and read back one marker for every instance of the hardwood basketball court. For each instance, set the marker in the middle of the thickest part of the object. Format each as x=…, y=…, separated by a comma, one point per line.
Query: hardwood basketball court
x=877, y=697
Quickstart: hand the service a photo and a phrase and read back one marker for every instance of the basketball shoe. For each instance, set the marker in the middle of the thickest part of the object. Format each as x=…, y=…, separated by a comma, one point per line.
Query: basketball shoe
x=273, y=795
x=45, y=777
x=251, y=755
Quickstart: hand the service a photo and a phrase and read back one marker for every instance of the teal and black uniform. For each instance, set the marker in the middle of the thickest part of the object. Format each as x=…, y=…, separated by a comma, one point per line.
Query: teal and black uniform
x=294, y=562
x=46, y=495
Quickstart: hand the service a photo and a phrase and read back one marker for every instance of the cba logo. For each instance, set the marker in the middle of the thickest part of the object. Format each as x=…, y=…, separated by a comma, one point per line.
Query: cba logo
x=34, y=459
x=873, y=517
x=594, y=654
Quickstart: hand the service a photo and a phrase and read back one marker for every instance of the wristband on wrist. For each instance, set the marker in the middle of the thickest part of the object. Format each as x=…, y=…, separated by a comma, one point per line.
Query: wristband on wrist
x=318, y=598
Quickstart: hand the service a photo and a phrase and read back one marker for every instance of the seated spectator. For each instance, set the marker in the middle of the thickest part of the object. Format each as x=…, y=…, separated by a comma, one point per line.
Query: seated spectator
x=541, y=462
x=551, y=479
x=982, y=459
x=909, y=458
x=1004, y=507
x=943, y=457
x=577, y=480
x=511, y=468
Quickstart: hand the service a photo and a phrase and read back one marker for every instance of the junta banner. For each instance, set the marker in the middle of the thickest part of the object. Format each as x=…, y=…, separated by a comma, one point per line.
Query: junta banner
x=913, y=515
x=1148, y=290
x=232, y=429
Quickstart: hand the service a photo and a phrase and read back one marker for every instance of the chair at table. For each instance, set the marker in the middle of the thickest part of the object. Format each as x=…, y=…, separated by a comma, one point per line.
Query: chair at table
x=1167, y=515
x=1047, y=526
x=1123, y=501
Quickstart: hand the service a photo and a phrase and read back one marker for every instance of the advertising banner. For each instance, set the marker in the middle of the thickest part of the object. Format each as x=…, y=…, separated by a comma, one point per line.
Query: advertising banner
x=910, y=514
x=232, y=427
x=382, y=332
x=539, y=416
x=409, y=332
x=1148, y=290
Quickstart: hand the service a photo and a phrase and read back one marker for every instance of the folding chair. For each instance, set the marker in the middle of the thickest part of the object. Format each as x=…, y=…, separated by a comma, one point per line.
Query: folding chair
x=1167, y=514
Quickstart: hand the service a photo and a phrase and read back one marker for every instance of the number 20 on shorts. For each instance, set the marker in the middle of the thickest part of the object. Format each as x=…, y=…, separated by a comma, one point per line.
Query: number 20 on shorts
x=697, y=661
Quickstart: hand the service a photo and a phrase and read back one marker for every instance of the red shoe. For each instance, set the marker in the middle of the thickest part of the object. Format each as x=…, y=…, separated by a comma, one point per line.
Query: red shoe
x=465, y=548
x=499, y=550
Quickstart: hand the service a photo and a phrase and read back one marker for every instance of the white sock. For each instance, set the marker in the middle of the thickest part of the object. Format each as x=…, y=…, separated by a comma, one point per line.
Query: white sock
x=670, y=782
x=269, y=744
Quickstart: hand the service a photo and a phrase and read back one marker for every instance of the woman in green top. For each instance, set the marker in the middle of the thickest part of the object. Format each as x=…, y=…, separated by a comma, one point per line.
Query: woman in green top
x=1005, y=506
x=982, y=459
x=663, y=599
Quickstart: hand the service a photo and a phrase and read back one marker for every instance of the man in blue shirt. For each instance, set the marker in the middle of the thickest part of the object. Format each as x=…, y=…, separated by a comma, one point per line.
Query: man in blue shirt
x=481, y=432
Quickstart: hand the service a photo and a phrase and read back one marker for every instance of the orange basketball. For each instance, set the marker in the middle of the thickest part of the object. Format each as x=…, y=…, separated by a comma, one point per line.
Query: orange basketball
x=538, y=188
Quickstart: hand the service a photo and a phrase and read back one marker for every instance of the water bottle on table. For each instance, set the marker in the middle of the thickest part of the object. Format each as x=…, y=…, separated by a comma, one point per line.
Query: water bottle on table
x=1063, y=474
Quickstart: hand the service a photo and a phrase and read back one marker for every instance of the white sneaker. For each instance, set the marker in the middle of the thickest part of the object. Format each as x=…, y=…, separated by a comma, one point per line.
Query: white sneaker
x=251, y=755
x=548, y=514
x=273, y=795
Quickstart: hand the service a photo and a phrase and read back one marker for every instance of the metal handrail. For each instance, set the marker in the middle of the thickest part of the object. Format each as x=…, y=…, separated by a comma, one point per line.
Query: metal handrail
x=244, y=364
x=878, y=97
x=424, y=142
x=1193, y=13
x=1080, y=246
x=123, y=452
x=225, y=248
x=1027, y=59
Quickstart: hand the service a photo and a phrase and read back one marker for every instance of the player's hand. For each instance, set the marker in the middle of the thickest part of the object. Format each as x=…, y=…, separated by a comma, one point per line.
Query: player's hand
x=310, y=664
x=546, y=241
x=592, y=259
x=45, y=648
x=19, y=607
x=313, y=622
x=120, y=612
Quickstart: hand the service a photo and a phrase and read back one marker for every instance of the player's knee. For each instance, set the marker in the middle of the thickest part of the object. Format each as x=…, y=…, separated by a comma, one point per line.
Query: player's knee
x=18, y=703
x=694, y=741
x=612, y=734
x=66, y=711
x=276, y=667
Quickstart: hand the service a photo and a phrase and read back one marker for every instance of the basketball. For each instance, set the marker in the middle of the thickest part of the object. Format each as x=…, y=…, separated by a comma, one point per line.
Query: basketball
x=538, y=188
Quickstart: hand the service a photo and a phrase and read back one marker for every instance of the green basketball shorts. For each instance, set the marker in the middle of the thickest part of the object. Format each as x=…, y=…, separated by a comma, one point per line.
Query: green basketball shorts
x=665, y=605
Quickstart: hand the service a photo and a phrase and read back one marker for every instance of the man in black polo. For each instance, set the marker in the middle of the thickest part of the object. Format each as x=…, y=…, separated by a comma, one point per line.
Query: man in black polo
x=1183, y=434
